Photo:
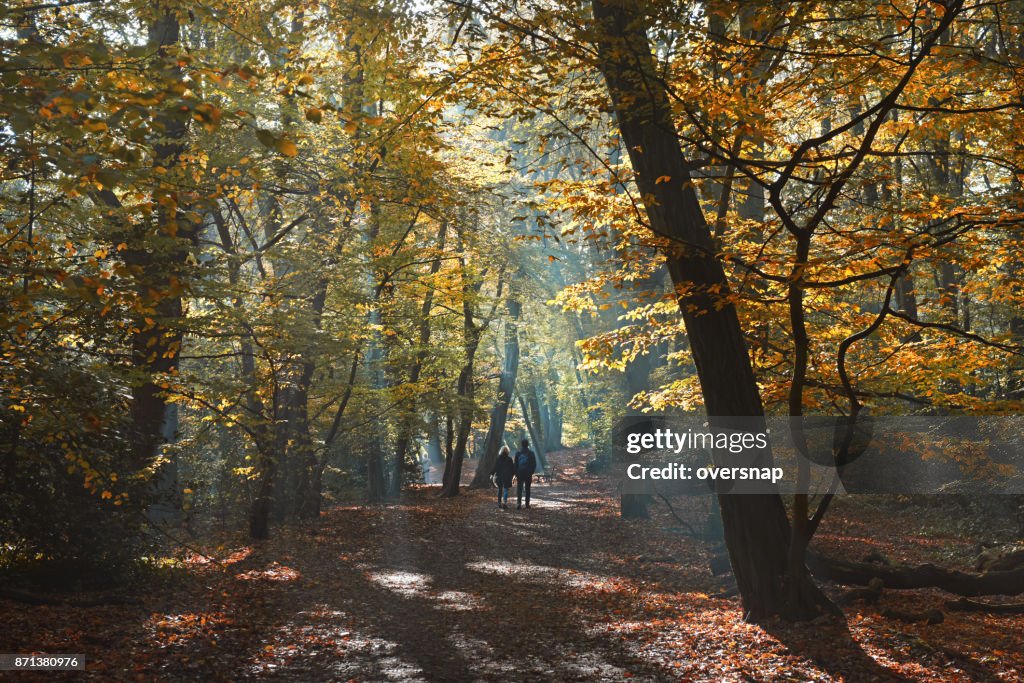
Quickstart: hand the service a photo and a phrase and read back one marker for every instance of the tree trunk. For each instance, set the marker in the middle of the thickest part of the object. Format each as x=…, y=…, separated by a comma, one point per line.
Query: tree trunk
x=756, y=526
x=434, y=452
x=266, y=470
x=538, y=448
x=457, y=454
x=536, y=418
x=266, y=461
x=407, y=425
x=471, y=333
x=157, y=339
x=506, y=387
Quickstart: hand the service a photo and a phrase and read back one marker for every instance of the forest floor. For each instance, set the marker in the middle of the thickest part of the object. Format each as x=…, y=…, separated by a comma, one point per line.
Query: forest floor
x=451, y=590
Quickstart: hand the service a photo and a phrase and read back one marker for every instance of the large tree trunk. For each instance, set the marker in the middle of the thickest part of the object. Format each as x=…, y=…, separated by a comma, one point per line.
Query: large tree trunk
x=506, y=387
x=158, y=260
x=756, y=526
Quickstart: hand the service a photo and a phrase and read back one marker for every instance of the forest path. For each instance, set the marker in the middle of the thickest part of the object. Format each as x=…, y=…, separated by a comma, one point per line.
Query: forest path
x=461, y=590
x=429, y=589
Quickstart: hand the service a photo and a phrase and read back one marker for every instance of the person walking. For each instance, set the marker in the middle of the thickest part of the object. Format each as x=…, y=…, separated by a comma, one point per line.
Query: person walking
x=504, y=470
x=526, y=465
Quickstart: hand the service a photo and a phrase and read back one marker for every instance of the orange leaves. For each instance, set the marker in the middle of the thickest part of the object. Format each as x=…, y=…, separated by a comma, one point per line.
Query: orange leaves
x=274, y=572
x=277, y=141
x=287, y=147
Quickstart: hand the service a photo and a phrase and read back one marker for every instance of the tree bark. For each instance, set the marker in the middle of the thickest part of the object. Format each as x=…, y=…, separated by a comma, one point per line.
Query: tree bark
x=157, y=339
x=756, y=526
x=531, y=429
x=919, y=576
x=471, y=333
x=506, y=387
x=406, y=429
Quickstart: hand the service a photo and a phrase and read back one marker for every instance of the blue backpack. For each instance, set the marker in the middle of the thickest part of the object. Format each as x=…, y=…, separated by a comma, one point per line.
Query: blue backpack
x=526, y=463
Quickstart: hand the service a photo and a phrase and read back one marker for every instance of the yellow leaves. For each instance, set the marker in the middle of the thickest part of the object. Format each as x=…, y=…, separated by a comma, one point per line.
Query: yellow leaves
x=276, y=141
x=208, y=115
x=73, y=59
x=287, y=147
x=94, y=126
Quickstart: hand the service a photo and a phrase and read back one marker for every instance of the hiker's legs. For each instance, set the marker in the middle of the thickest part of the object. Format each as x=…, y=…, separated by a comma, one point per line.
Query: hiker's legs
x=519, y=492
x=526, y=485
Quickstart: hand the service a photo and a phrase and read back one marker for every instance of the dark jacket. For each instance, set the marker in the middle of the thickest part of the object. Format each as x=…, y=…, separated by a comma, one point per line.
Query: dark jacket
x=526, y=463
x=504, y=468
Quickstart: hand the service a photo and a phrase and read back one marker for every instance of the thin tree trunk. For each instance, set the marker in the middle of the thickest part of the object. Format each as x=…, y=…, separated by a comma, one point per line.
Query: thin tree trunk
x=506, y=387
x=472, y=332
x=407, y=425
x=531, y=429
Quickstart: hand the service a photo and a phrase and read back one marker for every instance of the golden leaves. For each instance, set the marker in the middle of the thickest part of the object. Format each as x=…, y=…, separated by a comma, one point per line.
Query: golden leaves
x=278, y=142
x=287, y=147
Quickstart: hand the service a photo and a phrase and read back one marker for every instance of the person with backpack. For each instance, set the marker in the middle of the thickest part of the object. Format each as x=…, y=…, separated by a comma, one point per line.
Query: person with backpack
x=504, y=470
x=526, y=465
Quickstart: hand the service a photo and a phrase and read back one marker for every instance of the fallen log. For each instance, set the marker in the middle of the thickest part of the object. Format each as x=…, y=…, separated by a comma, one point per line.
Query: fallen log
x=918, y=576
x=1000, y=558
x=965, y=605
x=870, y=595
x=931, y=616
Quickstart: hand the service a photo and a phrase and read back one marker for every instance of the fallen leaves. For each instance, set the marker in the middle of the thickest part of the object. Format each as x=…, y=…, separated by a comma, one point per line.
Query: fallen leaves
x=441, y=590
